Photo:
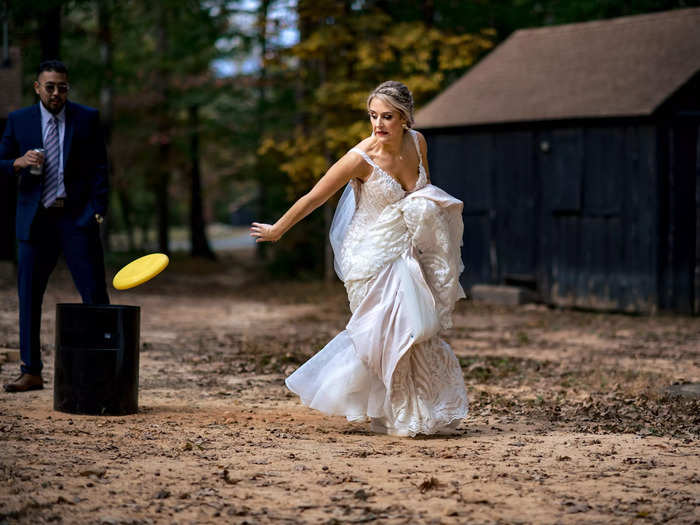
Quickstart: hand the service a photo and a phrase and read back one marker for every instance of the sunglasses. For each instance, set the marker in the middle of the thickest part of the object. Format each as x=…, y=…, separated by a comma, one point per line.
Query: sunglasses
x=51, y=87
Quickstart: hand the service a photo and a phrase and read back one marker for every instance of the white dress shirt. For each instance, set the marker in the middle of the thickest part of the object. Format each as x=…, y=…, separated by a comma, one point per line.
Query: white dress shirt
x=46, y=116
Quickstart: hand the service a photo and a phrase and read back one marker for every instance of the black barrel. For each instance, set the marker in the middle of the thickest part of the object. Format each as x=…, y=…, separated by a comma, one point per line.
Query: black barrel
x=96, y=369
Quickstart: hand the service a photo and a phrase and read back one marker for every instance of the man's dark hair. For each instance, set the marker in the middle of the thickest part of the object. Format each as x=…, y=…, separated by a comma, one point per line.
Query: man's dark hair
x=52, y=65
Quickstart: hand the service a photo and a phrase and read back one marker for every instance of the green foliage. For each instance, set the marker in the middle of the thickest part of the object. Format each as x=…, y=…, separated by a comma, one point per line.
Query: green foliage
x=342, y=60
x=162, y=56
x=267, y=135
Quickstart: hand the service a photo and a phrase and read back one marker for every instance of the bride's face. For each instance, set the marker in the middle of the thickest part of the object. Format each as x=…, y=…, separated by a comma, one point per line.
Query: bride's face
x=386, y=120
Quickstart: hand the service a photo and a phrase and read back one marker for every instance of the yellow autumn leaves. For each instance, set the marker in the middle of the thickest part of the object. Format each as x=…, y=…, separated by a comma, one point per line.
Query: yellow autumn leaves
x=344, y=61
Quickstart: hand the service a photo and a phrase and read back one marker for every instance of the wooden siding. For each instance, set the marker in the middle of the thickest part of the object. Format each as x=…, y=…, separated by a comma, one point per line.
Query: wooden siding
x=572, y=209
x=678, y=208
x=449, y=157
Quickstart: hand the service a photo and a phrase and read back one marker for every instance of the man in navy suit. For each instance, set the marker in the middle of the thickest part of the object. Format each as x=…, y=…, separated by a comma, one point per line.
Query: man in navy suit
x=59, y=209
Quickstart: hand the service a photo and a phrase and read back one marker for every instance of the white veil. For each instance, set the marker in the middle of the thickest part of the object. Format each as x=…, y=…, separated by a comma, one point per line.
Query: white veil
x=339, y=227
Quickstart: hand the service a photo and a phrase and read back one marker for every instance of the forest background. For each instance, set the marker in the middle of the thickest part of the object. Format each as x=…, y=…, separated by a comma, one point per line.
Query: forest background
x=228, y=110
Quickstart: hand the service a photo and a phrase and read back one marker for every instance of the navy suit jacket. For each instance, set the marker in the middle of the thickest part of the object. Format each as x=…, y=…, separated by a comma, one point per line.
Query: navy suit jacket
x=84, y=164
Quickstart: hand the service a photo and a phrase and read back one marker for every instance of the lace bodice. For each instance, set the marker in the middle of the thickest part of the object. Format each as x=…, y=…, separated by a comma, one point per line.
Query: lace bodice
x=376, y=193
x=381, y=189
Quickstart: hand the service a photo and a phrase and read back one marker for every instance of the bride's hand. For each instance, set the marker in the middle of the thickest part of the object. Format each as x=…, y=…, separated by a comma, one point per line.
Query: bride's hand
x=263, y=232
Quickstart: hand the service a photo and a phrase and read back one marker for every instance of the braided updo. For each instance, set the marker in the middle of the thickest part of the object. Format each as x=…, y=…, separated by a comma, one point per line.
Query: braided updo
x=396, y=95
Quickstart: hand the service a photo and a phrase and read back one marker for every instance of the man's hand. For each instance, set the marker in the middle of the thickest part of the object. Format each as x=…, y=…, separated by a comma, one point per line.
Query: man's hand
x=31, y=158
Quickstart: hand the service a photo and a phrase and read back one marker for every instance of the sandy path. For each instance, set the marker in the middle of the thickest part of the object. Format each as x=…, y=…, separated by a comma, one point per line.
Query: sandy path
x=569, y=422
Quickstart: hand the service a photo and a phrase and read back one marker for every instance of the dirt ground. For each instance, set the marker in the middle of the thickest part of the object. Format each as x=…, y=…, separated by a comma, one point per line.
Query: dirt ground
x=570, y=419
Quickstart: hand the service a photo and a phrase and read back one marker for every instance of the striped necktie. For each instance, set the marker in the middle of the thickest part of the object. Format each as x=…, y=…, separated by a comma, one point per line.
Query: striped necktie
x=48, y=194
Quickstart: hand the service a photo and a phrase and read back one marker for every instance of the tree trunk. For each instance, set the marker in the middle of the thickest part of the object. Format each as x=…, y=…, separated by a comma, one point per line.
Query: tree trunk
x=163, y=168
x=4, y=20
x=162, y=200
x=198, y=235
x=328, y=208
x=104, y=14
x=428, y=12
x=263, y=212
x=49, y=20
x=306, y=24
x=8, y=185
x=125, y=205
x=328, y=269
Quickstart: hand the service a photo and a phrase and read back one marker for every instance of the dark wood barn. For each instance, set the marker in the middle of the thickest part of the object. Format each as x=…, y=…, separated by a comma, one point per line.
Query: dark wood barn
x=575, y=150
x=10, y=100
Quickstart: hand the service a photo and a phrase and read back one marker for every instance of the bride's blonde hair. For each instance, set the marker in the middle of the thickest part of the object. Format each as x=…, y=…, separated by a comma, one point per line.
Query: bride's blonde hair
x=396, y=95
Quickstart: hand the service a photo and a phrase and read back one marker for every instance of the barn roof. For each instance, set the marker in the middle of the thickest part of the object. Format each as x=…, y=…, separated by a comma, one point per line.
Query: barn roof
x=620, y=67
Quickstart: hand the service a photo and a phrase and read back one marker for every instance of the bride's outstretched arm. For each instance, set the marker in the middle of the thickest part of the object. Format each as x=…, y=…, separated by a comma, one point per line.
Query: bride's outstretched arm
x=336, y=177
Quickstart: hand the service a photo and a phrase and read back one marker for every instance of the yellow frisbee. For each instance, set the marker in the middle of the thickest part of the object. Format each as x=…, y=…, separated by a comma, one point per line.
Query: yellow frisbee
x=141, y=270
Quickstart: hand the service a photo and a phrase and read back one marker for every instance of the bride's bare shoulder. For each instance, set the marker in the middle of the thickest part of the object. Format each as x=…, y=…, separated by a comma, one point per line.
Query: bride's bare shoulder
x=367, y=145
x=356, y=162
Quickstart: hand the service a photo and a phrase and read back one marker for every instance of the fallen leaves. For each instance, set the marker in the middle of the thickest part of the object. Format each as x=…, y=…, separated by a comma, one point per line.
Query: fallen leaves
x=572, y=507
x=361, y=494
x=162, y=494
x=93, y=471
x=429, y=484
x=226, y=476
x=219, y=438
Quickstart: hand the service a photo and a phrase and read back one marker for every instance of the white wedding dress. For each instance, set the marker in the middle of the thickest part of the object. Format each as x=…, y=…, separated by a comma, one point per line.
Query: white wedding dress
x=398, y=254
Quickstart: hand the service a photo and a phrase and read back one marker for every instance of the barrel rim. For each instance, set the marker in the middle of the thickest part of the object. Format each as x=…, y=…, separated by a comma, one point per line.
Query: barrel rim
x=104, y=306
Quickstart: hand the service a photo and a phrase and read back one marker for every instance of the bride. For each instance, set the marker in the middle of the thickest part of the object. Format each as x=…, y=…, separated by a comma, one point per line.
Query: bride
x=396, y=240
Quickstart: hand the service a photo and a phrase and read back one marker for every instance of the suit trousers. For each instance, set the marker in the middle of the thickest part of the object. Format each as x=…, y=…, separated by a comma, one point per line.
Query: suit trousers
x=54, y=232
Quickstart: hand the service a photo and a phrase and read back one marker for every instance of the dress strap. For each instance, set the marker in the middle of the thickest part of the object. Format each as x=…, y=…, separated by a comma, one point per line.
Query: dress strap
x=414, y=134
x=366, y=157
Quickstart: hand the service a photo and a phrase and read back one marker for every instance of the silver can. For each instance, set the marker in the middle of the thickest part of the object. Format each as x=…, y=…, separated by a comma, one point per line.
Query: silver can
x=38, y=170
